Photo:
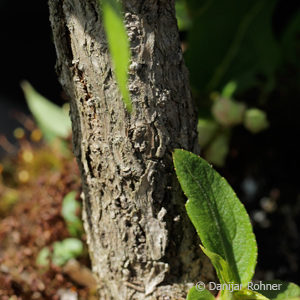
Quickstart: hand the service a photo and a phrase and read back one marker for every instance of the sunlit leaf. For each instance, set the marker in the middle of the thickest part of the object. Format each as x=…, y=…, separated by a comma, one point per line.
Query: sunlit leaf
x=196, y=294
x=118, y=45
x=220, y=219
x=43, y=258
x=51, y=119
x=66, y=250
x=255, y=120
x=70, y=208
x=246, y=294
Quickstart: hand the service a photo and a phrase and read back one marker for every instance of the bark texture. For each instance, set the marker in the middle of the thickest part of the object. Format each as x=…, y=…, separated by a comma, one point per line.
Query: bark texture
x=141, y=243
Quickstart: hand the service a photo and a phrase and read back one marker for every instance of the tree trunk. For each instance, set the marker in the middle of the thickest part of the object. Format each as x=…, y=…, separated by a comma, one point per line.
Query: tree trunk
x=141, y=243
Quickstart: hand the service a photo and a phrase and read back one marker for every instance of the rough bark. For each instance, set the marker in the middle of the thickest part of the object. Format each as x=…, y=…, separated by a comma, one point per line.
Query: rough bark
x=142, y=245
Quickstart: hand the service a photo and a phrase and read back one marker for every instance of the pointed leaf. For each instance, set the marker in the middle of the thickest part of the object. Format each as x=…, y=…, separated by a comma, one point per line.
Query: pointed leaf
x=196, y=294
x=220, y=219
x=51, y=119
x=118, y=45
x=229, y=89
x=222, y=268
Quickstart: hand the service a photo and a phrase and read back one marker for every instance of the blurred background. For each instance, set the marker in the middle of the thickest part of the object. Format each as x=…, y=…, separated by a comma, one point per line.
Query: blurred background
x=243, y=58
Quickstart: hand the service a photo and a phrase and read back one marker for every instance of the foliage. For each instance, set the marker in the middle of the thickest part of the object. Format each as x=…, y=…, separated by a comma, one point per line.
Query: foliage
x=220, y=219
x=51, y=119
x=224, y=228
x=62, y=252
x=220, y=51
x=43, y=258
x=195, y=294
x=118, y=45
x=214, y=130
x=184, y=21
x=289, y=291
x=66, y=250
x=234, y=41
x=70, y=209
x=36, y=250
x=255, y=120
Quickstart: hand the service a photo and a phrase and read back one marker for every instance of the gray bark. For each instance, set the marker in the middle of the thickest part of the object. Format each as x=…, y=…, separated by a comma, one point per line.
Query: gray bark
x=141, y=243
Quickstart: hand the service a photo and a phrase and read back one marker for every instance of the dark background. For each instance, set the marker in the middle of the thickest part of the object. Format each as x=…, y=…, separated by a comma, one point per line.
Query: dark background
x=26, y=52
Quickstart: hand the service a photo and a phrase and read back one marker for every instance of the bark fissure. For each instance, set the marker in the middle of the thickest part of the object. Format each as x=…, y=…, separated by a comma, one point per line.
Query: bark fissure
x=141, y=243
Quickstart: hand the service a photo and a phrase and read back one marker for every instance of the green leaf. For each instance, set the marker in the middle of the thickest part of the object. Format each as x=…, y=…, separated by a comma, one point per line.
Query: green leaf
x=207, y=129
x=246, y=294
x=183, y=18
x=43, y=258
x=286, y=290
x=217, y=150
x=70, y=207
x=229, y=89
x=255, y=120
x=118, y=45
x=220, y=219
x=196, y=294
x=228, y=112
x=51, y=119
x=290, y=40
x=222, y=268
x=231, y=40
x=66, y=250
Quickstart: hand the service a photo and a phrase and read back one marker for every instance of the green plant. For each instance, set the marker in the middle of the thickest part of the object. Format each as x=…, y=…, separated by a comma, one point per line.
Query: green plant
x=225, y=231
x=62, y=252
x=235, y=41
x=70, y=208
x=65, y=250
x=214, y=129
x=118, y=45
x=69, y=248
x=51, y=119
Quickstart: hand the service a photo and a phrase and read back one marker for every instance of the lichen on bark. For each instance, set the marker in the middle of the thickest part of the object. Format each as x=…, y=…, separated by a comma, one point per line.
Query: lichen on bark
x=141, y=243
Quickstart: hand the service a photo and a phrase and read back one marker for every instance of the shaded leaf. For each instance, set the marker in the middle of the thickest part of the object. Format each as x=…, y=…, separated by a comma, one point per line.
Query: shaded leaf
x=183, y=19
x=207, y=129
x=290, y=40
x=216, y=152
x=231, y=40
x=287, y=290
